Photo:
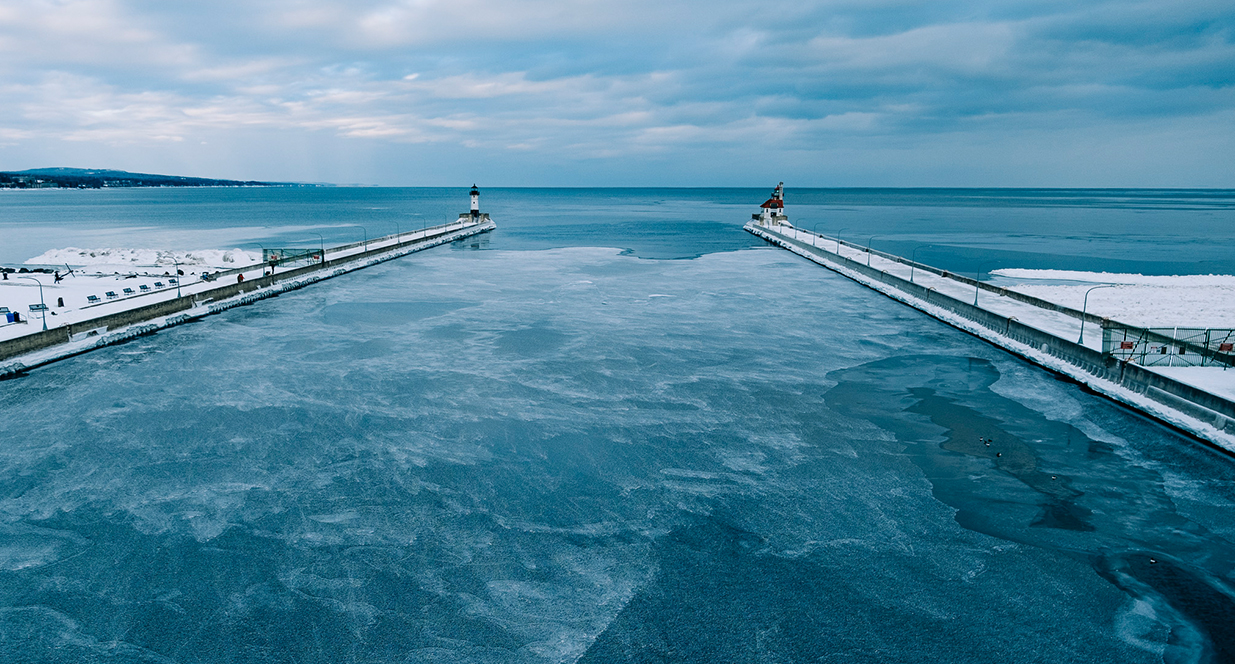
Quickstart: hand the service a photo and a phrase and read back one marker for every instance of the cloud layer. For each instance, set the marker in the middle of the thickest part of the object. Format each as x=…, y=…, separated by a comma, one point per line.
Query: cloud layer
x=579, y=92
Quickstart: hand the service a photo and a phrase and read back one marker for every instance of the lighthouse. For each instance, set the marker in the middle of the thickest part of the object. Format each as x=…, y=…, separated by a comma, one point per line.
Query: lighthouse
x=773, y=212
x=474, y=215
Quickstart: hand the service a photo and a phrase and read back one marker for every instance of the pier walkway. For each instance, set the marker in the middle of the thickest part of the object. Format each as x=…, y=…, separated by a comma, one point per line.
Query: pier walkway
x=1042, y=332
x=77, y=329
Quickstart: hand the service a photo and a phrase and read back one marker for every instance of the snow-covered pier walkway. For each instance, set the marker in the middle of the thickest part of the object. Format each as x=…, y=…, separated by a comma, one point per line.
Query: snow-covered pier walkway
x=81, y=324
x=1042, y=332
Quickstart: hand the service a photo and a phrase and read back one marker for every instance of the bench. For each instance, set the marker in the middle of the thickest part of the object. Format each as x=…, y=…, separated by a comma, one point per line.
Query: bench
x=144, y=288
x=158, y=284
x=111, y=295
x=128, y=291
x=173, y=281
x=92, y=299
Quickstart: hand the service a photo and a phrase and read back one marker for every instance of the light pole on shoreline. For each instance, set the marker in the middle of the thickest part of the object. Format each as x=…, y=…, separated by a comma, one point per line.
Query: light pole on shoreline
x=42, y=304
x=977, y=281
x=178, y=275
x=366, y=235
x=913, y=260
x=838, y=239
x=263, y=260
x=398, y=231
x=322, y=246
x=815, y=230
x=1084, y=305
x=868, y=250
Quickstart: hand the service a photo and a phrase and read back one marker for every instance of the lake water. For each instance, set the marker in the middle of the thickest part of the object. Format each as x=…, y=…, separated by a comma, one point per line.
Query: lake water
x=551, y=444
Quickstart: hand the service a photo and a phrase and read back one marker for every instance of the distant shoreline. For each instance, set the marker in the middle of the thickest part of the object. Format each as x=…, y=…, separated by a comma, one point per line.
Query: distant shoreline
x=80, y=178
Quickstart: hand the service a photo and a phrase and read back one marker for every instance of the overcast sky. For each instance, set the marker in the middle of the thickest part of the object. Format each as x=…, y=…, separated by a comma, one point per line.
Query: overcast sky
x=637, y=92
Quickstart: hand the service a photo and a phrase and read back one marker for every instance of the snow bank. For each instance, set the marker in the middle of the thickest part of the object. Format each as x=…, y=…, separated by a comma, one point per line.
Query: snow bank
x=1149, y=301
x=1175, y=280
x=146, y=257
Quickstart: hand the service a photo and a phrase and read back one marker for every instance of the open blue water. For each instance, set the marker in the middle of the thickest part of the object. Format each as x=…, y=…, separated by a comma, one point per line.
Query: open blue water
x=551, y=445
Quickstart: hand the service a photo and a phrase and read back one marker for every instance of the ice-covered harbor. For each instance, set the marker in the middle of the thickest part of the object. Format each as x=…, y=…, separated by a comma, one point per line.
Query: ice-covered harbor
x=556, y=445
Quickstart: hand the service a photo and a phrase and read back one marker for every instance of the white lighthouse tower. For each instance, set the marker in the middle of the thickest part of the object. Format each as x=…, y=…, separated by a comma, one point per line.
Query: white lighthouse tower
x=474, y=214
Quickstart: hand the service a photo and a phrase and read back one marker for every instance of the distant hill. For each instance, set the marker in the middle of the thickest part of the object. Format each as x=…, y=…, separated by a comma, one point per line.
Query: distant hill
x=93, y=178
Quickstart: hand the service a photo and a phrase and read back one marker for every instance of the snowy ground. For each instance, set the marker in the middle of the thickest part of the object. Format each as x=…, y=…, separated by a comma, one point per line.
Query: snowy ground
x=1203, y=301
x=1196, y=301
x=123, y=260
x=113, y=270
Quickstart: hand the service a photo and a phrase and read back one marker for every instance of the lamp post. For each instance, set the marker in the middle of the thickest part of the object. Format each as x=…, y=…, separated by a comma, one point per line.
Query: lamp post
x=913, y=262
x=42, y=305
x=321, y=246
x=815, y=229
x=838, y=239
x=178, y=275
x=263, y=260
x=868, y=250
x=1085, y=305
x=398, y=231
x=977, y=281
x=366, y=235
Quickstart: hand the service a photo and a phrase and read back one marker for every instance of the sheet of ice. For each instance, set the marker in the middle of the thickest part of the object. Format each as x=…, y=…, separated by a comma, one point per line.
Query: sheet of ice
x=1177, y=281
x=525, y=456
x=146, y=258
x=1205, y=301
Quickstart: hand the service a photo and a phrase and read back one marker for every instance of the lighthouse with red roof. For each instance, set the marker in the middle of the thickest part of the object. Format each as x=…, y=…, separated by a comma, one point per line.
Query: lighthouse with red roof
x=773, y=213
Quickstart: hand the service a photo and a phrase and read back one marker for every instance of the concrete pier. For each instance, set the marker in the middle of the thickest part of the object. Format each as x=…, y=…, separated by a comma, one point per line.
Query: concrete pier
x=225, y=291
x=1209, y=417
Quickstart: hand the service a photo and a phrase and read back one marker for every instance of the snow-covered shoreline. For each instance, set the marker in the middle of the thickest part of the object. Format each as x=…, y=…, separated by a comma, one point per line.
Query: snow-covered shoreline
x=380, y=250
x=136, y=259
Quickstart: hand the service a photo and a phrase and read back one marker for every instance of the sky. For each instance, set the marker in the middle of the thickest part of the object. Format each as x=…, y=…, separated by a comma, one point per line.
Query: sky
x=865, y=93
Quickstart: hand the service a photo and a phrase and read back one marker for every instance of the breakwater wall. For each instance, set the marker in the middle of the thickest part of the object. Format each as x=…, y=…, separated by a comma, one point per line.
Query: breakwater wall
x=1202, y=414
x=39, y=348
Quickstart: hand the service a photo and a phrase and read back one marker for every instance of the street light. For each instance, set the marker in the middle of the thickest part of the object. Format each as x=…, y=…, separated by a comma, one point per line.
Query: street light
x=366, y=235
x=398, y=231
x=263, y=260
x=838, y=239
x=42, y=305
x=815, y=229
x=322, y=245
x=868, y=250
x=178, y=275
x=913, y=259
x=1084, y=305
x=977, y=281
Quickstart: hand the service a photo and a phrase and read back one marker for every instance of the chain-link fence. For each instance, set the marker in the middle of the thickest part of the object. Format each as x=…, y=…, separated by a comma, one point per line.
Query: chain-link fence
x=1170, y=346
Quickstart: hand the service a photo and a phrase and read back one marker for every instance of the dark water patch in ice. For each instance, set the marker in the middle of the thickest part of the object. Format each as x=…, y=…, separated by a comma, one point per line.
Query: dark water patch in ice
x=1203, y=608
x=388, y=313
x=1013, y=474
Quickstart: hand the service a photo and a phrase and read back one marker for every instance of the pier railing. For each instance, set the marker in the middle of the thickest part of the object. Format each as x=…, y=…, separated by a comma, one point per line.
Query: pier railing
x=1203, y=405
x=401, y=238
